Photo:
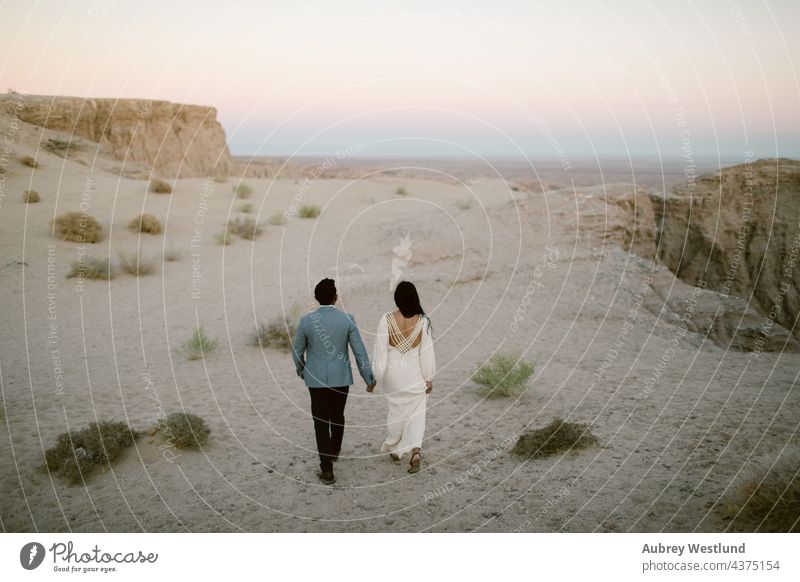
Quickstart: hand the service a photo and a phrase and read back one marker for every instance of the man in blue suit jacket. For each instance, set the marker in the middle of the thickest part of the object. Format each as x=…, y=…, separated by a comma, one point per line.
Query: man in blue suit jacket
x=321, y=356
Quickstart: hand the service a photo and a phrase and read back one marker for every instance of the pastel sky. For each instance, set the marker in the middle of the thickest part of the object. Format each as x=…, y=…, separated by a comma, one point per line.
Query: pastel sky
x=417, y=77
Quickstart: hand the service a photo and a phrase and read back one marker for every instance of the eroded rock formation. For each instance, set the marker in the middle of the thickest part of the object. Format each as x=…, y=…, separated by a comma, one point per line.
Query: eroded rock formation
x=738, y=232
x=175, y=140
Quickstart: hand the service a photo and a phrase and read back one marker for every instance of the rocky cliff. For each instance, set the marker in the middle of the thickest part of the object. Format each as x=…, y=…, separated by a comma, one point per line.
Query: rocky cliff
x=175, y=140
x=738, y=232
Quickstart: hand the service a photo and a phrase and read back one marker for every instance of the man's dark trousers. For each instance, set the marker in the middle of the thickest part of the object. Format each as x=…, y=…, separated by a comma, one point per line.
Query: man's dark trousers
x=327, y=408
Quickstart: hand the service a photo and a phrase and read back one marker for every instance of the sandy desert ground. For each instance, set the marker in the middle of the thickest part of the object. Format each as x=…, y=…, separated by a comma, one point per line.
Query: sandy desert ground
x=528, y=271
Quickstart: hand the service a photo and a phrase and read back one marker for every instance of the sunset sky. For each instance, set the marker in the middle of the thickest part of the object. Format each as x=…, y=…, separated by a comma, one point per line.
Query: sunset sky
x=434, y=78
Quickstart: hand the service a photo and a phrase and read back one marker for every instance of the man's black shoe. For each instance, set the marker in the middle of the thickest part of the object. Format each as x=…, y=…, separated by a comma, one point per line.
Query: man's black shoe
x=327, y=477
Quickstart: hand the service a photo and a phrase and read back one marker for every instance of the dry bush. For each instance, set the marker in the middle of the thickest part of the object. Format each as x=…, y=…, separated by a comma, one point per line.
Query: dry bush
x=766, y=498
x=91, y=268
x=557, y=437
x=503, y=375
x=185, y=430
x=401, y=191
x=246, y=228
x=243, y=190
x=278, y=333
x=146, y=223
x=220, y=179
x=464, y=204
x=158, y=186
x=199, y=345
x=77, y=227
x=246, y=208
x=277, y=218
x=77, y=453
x=308, y=211
x=28, y=161
x=30, y=196
x=136, y=265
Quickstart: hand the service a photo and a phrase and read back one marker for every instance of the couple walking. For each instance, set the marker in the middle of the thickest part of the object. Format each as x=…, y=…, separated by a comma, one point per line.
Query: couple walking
x=403, y=364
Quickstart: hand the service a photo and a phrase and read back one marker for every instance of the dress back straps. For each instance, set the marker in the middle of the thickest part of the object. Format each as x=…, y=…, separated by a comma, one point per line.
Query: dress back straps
x=403, y=344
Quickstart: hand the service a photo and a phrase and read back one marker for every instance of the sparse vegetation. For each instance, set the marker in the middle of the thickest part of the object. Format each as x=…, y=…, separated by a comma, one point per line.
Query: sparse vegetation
x=62, y=147
x=136, y=265
x=224, y=238
x=77, y=227
x=277, y=218
x=145, y=223
x=308, y=211
x=464, y=204
x=279, y=333
x=30, y=197
x=246, y=228
x=766, y=498
x=91, y=268
x=29, y=161
x=503, y=376
x=77, y=453
x=557, y=437
x=199, y=345
x=220, y=179
x=401, y=191
x=246, y=208
x=243, y=190
x=185, y=430
x=158, y=186
x=172, y=254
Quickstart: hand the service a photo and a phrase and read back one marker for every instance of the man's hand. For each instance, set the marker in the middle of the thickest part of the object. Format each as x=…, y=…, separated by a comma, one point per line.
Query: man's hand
x=370, y=387
x=428, y=387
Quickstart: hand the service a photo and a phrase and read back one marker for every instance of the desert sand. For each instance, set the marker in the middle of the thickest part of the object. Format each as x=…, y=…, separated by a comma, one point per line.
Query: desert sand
x=543, y=271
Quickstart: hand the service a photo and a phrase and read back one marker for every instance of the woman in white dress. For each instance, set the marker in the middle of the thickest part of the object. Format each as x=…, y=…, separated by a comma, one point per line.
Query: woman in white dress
x=403, y=364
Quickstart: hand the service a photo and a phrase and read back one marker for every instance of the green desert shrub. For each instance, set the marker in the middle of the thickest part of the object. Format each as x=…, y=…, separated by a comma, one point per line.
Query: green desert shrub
x=766, y=498
x=246, y=228
x=146, y=223
x=308, y=211
x=401, y=191
x=199, y=345
x=29, y=161
x=135, y=264
x=243, y=190
x=185, y=430
x=79, y=452
x=277, y=218
x=77, y=227
x=91, y=268
x=159, y=186
x=246, y=208
x=503, y=375
x=557, y=437
x=30, y=197
x=464, y=204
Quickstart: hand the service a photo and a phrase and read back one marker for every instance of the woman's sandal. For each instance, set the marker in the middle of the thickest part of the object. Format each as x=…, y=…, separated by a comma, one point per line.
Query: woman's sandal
x=415, y=465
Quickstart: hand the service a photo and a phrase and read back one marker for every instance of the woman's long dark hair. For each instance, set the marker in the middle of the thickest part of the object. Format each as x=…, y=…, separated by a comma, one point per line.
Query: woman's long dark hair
x=407, y=299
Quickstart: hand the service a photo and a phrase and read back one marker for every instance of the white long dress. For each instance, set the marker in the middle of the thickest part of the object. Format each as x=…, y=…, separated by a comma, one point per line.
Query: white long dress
x=401, y=372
